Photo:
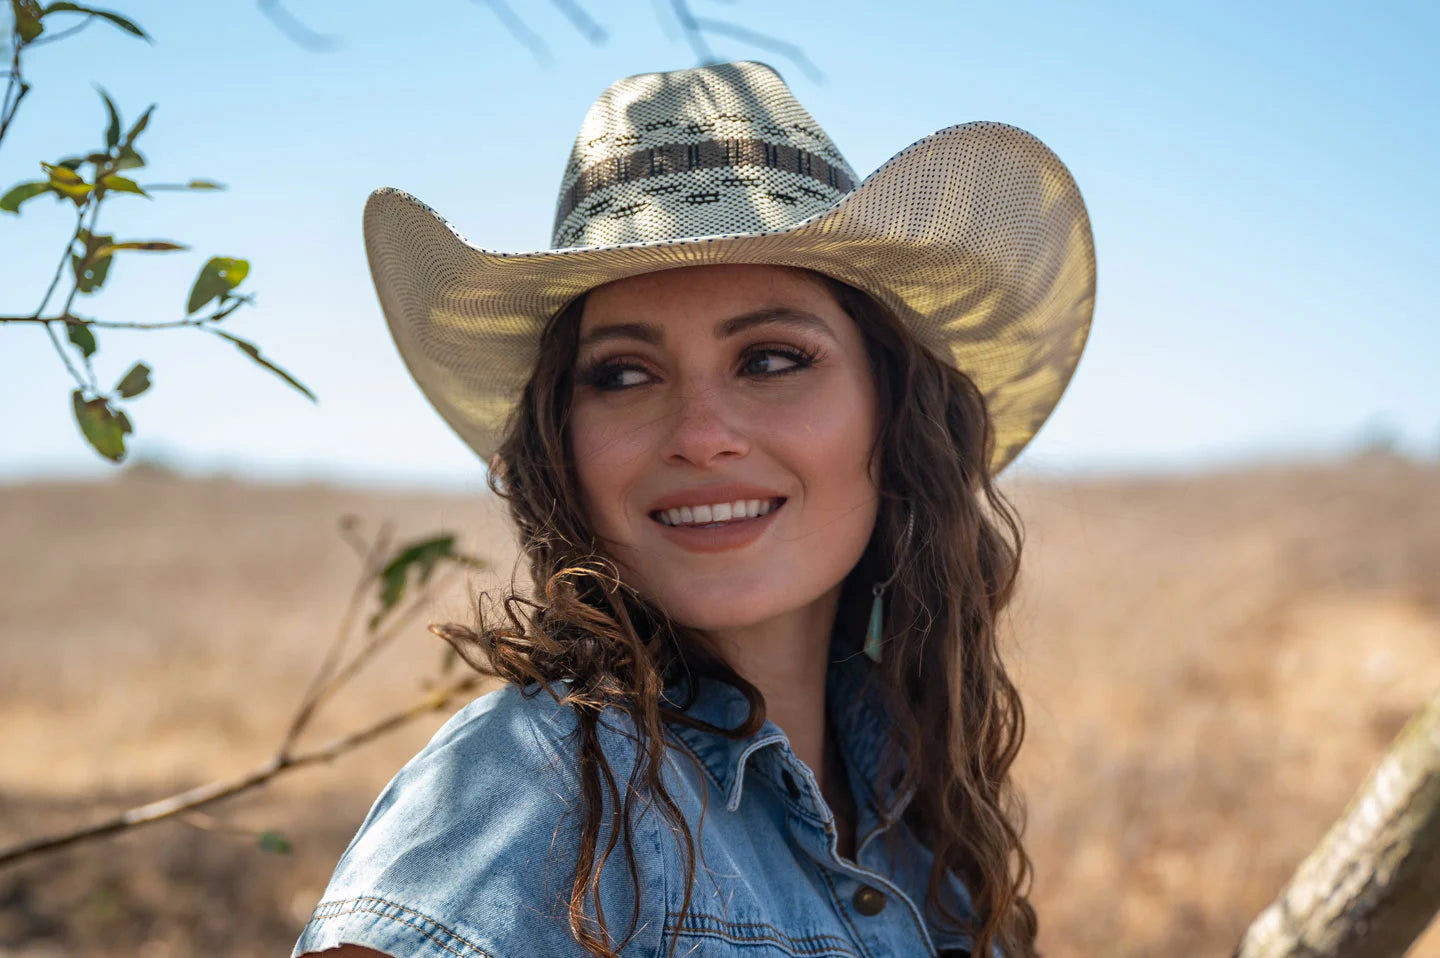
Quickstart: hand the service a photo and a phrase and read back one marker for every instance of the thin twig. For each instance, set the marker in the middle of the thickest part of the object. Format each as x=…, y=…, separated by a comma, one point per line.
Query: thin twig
x=581, y=21
x=297, y=31
x=369, y=568
x=690, y=27
x=378, y=641
x=52, y=37
x=225, y=788
x=783, y=47
x=517, y=29
x=103, y=323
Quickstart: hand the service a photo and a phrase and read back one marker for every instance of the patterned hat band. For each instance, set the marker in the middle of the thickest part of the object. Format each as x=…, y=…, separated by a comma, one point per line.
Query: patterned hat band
x=975, y=236
x=736, y=175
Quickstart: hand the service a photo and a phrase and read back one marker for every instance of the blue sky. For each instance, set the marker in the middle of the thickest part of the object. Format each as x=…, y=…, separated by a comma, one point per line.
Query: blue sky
x=1261, y=179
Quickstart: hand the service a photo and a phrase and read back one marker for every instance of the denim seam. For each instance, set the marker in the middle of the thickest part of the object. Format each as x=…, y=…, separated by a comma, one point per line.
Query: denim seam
x=717, y=919
x=840, y=908
x=356, y=907
x=663, y=866
x=794, y=946
x=721, y=936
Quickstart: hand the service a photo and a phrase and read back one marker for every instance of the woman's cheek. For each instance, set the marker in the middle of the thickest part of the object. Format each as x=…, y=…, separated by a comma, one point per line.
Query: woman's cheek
x=831, y=429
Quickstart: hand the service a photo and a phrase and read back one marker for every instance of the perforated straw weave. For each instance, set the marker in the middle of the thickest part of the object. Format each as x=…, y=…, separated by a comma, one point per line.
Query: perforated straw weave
x=976, y=236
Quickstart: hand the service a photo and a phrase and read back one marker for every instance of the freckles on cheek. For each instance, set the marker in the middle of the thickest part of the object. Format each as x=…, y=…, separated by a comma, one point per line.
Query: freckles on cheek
x=832, y=433
x=606, y=465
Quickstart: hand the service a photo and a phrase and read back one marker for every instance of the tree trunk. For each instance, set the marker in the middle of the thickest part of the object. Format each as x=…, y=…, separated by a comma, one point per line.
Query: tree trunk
x=1373, y=883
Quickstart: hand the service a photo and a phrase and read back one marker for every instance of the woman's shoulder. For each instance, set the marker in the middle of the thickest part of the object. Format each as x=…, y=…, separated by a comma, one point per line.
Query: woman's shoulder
x=505, y=726
x=471, y=845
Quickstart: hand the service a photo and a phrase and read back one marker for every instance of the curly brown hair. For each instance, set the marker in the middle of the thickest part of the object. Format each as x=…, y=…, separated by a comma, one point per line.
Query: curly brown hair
x=954, y=577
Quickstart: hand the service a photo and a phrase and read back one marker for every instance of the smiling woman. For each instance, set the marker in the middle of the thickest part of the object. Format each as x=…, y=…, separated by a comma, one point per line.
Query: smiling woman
x=738, y=382
x=756, y=703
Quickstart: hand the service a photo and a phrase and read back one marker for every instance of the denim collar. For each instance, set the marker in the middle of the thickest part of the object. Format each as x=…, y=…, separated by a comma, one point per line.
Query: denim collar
x=858, y=715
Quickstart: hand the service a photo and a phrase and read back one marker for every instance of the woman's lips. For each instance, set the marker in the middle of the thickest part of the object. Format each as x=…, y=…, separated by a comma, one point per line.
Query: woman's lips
x=719, y=536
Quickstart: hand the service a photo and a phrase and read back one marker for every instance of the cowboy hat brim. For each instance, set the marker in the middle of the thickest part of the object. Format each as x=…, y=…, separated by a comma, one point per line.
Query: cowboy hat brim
x=976, y=236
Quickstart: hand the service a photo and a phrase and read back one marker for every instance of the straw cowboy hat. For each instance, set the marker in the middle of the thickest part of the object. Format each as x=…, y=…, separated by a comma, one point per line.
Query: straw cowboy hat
x=975, y=236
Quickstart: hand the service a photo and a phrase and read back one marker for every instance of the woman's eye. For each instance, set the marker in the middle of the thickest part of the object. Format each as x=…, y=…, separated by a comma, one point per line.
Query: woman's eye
x=770, y=362
x=615, y=377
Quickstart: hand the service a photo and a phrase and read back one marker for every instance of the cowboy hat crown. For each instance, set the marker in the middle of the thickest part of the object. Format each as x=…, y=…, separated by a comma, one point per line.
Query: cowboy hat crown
x=975, y=237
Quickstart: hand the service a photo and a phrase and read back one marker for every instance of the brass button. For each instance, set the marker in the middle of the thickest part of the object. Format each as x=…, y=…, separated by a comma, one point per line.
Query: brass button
x=869, y=901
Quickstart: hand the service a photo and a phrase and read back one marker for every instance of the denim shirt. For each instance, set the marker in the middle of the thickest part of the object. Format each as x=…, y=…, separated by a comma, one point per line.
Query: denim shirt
x=468, y=850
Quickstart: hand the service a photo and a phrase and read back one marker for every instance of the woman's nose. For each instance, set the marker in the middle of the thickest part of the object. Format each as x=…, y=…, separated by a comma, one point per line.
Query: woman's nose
x=704, y=429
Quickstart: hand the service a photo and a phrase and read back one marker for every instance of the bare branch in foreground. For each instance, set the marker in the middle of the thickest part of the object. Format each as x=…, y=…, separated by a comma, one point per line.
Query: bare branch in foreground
x=297, y=31
x=1373, y=883
x=225, y=788
x=376, y=564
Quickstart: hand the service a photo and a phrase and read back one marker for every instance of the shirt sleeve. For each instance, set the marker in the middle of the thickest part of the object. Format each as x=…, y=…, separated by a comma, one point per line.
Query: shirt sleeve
x=468, y=852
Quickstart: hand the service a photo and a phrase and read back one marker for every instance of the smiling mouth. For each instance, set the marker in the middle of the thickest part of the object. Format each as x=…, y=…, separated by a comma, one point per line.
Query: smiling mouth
x=716, y=515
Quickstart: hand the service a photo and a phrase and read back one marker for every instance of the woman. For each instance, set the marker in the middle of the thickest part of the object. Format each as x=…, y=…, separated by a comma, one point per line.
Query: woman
x=746, y=414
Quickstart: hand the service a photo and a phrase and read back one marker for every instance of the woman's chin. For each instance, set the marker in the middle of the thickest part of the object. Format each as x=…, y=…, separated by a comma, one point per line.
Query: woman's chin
x=716, y=616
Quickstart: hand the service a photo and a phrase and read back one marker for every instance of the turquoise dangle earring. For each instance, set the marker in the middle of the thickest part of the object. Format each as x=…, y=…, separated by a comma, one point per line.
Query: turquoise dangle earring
x=874, y=634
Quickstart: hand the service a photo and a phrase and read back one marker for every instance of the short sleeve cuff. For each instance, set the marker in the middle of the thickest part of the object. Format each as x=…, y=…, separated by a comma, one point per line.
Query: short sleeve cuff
x=384, y=925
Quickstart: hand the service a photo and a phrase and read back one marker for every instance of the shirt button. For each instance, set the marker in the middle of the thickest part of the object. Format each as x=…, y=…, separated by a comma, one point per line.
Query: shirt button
x=869, y=901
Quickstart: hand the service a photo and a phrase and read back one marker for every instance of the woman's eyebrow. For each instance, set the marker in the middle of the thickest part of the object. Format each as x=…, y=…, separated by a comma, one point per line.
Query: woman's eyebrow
x=654, y=335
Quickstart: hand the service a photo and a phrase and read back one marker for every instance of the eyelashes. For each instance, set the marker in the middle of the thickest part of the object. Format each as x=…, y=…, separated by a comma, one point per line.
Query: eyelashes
x=608, y=375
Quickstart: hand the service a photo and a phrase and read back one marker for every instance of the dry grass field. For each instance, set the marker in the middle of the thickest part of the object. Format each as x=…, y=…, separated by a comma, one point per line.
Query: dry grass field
x=1210, y=664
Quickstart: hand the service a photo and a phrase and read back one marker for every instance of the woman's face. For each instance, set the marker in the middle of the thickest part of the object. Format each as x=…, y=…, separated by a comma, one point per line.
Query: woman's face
x=707, y=390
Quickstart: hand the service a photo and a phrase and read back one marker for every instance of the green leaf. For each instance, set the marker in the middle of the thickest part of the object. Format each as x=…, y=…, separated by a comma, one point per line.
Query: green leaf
x=122, y=184
x=61, y=174
x=253, y=351
x=112, y=132
x=93, y=267
x=205, y=185
x=136, y=130
x=395, y=576
x=89, y=277
x=275, y=842
x=27, y=19
x=235, y=303
x=135, y=382
x=83, y=337
x=67, y=182
x=114, y=18
x=130, y=158
x=11, y=201
x=102, y=427
x=151, y=245
x=217, y=277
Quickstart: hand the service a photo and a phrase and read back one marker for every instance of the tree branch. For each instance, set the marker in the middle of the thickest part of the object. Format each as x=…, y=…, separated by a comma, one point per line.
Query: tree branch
x=583, y=23
x=517, y=29
x=330, y=676
x=225, y=788
x=1373, y=883
x=297, y=31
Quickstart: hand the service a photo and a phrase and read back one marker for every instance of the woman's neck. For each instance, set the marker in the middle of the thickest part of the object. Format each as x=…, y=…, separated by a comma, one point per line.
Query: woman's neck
x=787, y=658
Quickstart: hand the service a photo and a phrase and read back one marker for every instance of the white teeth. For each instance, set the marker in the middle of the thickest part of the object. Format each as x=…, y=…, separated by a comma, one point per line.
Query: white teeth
x=718, y=512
